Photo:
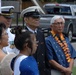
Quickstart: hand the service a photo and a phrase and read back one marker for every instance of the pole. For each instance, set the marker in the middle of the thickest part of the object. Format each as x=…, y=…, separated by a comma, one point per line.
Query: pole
x=0, y=6
x=37, y=3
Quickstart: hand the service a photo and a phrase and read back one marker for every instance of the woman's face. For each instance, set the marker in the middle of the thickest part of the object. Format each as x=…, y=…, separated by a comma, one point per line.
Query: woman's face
x=4, y=39
x=6, y=21
x=34, y=44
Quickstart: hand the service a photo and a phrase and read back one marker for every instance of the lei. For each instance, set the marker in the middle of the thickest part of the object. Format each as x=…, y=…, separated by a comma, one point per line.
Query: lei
x=63, y=45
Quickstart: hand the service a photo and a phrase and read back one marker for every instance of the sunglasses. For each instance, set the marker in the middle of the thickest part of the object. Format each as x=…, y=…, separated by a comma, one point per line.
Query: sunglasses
x=7, y=17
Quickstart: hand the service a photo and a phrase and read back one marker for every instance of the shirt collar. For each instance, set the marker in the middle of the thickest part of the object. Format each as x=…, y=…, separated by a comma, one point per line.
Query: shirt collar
x=32, y=30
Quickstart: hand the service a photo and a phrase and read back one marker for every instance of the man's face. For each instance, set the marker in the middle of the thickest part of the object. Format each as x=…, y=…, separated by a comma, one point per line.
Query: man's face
x=58, y=26
x=32, y=22
x=6, y=21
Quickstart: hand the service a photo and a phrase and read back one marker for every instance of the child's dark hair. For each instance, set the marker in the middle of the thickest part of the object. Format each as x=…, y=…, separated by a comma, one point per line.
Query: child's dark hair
x=22, y=37
x=2, y=26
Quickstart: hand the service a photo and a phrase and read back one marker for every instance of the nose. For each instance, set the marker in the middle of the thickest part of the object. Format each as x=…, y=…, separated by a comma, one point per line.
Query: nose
x=7, y=35
x=37, y=43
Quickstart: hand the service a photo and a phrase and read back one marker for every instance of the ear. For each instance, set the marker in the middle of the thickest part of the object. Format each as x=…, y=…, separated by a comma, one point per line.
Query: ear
x=50, y=26
x=0, y=41
x=26, y=19
x=26, y=45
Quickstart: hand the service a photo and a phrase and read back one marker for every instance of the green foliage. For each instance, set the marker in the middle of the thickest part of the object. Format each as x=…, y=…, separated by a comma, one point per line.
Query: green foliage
x=19, y=20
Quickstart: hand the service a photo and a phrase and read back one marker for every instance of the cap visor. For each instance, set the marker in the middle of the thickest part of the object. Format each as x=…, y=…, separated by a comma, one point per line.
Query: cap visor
x=8, y=16
x=35, y=16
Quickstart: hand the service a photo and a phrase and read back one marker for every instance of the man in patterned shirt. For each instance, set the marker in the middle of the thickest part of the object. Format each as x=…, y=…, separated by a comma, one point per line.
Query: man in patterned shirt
x=61, y=53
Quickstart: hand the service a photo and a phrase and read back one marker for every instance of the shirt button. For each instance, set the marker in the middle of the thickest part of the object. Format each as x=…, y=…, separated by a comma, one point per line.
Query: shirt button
x=44, y=69
x=38, y=62
x=43, y=61
x=42, y=54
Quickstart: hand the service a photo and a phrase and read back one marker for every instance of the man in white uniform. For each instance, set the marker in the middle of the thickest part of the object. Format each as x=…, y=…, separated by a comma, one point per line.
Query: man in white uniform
x=6, y=16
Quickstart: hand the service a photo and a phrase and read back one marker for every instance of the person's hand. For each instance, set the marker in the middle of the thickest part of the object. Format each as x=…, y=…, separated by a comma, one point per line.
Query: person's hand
x=68, y=71
x=12, y=73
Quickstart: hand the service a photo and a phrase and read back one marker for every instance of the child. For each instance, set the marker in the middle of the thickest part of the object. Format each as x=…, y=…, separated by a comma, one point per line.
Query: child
x=24, y=63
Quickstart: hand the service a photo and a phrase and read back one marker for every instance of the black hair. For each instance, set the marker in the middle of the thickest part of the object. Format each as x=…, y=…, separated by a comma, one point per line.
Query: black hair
x=22, y=37
x=2, y=26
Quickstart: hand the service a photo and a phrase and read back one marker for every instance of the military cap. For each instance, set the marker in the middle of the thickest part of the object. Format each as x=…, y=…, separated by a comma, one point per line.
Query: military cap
x=33, y=11
x=7, y=11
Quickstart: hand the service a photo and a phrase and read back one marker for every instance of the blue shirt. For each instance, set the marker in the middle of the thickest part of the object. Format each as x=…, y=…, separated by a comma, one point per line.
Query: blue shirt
x=27, y=65
x=55, y=52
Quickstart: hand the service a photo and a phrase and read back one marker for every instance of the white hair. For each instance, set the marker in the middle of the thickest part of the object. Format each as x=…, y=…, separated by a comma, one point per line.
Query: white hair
x=55, y=18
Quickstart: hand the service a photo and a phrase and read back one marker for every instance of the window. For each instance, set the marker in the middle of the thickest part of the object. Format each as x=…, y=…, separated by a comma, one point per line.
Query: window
x=58, y=10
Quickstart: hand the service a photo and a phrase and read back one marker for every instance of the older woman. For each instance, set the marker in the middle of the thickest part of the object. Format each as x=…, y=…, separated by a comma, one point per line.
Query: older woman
x=4, y=58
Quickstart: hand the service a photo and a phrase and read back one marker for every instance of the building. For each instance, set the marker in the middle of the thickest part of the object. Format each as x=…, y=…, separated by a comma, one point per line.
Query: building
x=22, y=4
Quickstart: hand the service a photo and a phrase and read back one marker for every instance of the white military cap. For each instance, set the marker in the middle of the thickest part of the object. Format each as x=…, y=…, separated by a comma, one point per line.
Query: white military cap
x=7, y=11
x=31, y=11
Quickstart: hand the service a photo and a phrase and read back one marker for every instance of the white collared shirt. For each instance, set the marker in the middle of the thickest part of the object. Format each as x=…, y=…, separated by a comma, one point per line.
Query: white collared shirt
x=32, y=30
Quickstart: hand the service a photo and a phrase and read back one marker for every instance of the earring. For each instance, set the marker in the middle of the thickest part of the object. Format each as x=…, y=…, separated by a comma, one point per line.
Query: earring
x=0, y=41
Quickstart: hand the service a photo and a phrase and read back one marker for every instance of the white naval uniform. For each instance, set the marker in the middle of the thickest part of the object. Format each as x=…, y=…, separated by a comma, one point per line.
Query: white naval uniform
x=8, y=49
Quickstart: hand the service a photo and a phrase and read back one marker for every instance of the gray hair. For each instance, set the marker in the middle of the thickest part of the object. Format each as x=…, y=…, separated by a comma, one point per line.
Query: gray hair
x=55, y=18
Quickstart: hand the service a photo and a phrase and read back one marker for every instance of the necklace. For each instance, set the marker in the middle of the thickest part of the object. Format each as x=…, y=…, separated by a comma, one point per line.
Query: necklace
x=63, y=45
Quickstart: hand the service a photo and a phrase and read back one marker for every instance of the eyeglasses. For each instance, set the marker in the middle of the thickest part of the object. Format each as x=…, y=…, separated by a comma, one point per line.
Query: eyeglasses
x=59, y=23
x=7, y=17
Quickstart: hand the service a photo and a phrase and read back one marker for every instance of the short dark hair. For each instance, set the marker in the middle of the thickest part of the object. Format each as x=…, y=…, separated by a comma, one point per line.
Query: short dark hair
x=22, y=37
x=2, y=26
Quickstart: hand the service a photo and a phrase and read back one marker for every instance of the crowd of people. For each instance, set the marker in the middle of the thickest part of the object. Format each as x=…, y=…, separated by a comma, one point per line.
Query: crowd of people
x=26, y=51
